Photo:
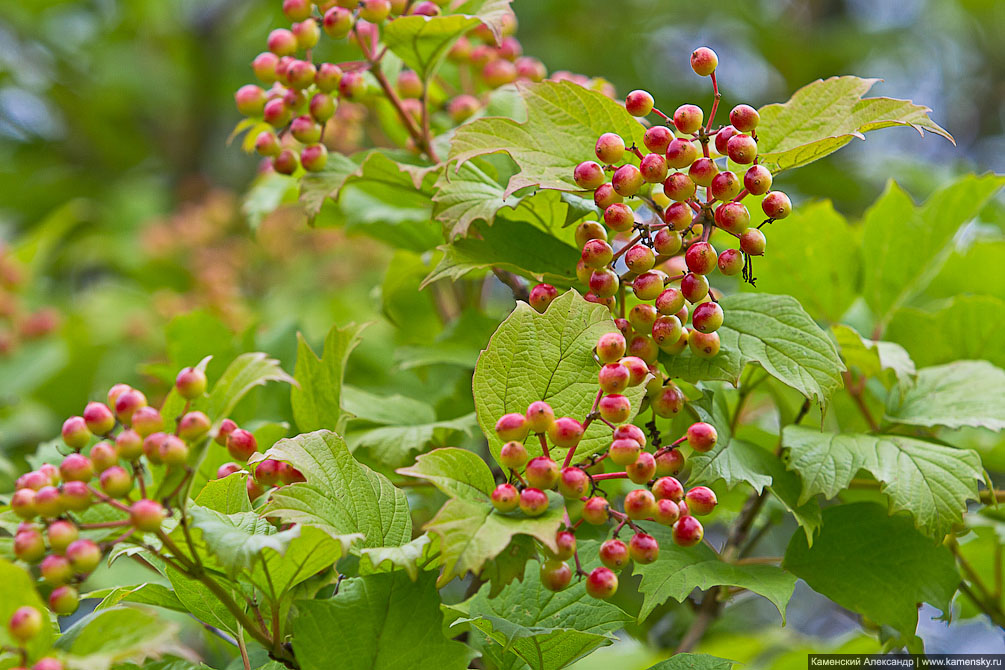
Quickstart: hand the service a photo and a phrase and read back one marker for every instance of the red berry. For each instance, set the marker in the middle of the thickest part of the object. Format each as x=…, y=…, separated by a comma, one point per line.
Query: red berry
x=707, y=317
x=653, y=168
x=227, y=426
x=127, y=404
x=264, y=66
x=670, y=400
x=565, y=541
x=98, y=418
x=573, y=483
x=84, y=556
x=667, y=242
x=75, y=496
x=76, y=434
x=642, y=470
x=611, y=347
x=618, y=216
x=250, y=100
x=146, y=515
x=725, y=186
x=152, y=446
x=630, y=432
x=704, y=61
x=193, y=425
x=667, y=512
x=541, y=296
x=701, y=500
x=668, y=488
x=601, y=583
x=49, y=502
x=542, y=473
x=703, y=171
x=703, y=345
x=29, y=546
x=282, y=42
x=681, y=153
x=757, y=180
x=679, y=187
x=744, y=118
x=595, y=511
x=752, y=242
x=730, y=262
x=540, y=416
x=76, y=468
x=640, y=504
x=701, y=258
x=648, y=285
x=25, y=623
x=657, y=139
x=722, y=138
x=776, y=205
x=146, y=421
x=512, y=427
x=533, y=502
x=47, y=663
x=624, y=452
x=733, y=217
x=701, y=436
x=694, y=287
x=688, y=118
x=499, y=72
x=639, y=103
x=267, y=472
x=555, y=575
x=643, y=548
x=565, y=432
x=338, y=22
x=688, y=531
x=588, y=175
x=605, y=196
x=678, y=215
x=505, y=498
x=741, y=149
x=613, y=378
x=241, y=444
x=610, y=148
x=627, y=180
x=615, y=408
x=531, y=69
x=614, y=554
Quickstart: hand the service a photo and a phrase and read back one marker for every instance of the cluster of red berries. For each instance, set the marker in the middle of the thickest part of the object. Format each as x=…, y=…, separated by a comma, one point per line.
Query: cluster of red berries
x=696, y=197
x=25, y=625
x=663, y=501
x=17, y=323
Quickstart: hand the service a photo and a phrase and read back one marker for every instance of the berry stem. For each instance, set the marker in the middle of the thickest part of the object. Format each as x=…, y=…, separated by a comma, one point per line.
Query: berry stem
x=741, y=195
x=586, y=424
x=515, y=284
x=609, y=475
x=104, y=524
x=544, y=445
x=628, y=245
x=660, y=114
x=715, y=105
x=105, y=499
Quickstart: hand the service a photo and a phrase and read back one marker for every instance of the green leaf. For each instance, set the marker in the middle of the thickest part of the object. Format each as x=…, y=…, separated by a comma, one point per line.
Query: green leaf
x=873, y=357
x=516, y=246
x=730, y=461
x=236, y=540
x=694, y=662
x=813, y=256
x=119, y=634
x=562, y=126
x=876, y=565
x=157, y=595
x=406, y=557
x=774, y=331
x=680, y=570
x=384, y=622
x=470, y=193
x=966, y=327
x=930, y=481
x=226, y=496
x=472, y=532
x=245, y=373
x=18, y=590
x=825, y=115
x=964, y=393
x=894, y=220
x=317, y=396
x=457, y=472
x=547, y=630
x=340, y=496
x=201, y=602
x=547, y=357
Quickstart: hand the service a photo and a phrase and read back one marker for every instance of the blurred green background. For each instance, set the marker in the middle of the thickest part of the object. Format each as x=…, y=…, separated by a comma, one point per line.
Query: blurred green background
x=128, y=246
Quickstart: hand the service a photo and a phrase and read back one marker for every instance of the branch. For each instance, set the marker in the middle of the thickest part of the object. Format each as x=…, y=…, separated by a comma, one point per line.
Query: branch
x=515, y=284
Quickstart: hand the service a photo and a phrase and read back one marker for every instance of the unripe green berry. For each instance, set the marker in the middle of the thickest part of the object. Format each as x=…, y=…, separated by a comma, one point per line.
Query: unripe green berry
x=667, y=242
x=611, y=347
x=84, y=556
x=498, y=73
x=173, y=451
x=589, y=230
x=667, y=331
x=75, y=433
x=730, y=262
x=98, y=418
x=282, y=42
x=286, y=162
x=25, y=624
x=327, y=79
x=267, y=144
x=55, y=570
x=250, y=100
x=297, y=10
x=703, y=345
x=352, y=86
x=147, y=420
x=307, y=33
x=63, y=601
x=462, y=108
x=146, y=515
x=338, y=22
x=752, y=242
x=615, y=408
x=642, y=317
x=76, y=468
x=193, y=425
x=542, y=473
x=374, y=11
x=29, y=546
x=49, y=502
x=116, y=482
x=555, y=575
x=264, y=66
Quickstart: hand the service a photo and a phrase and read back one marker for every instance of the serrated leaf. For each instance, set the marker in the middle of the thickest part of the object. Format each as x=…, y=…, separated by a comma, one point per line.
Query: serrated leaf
x=245, y=373
x=340, y=496
x=471, y=193
x=774, y=331
x=119, y=634
x=157, y=595
x=472, y=532
x=680, y=570
x=547, y=357
x=406, y=557
x=872, y=357
x=894, y=220
x=730, y=461
x=227, y=496
x=457, y=472
x=694, y=662
x=515, y=246
x=562, y=126
x=966, y=327
x=317, y=396
x=813, y=255
x=827, y=114
x=927, y=480
x=545, y=629
x=875, y=564
x=236, y=540
x=385, y=622
x=964, y=393
x=18, y=590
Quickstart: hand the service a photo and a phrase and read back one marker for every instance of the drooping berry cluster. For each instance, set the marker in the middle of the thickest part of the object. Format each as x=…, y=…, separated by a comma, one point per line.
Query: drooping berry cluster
x=668, y=259
x=18, y=323
x=304, y=98
x=114, y=445
x=24, y=625
x=663, y=500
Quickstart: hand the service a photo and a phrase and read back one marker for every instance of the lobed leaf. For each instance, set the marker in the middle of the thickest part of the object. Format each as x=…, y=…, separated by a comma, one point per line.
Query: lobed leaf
x=964, y=393
x=317, y=397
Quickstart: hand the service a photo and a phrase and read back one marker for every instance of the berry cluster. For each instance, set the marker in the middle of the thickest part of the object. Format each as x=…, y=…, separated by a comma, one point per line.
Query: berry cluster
x=304, y=98
x=664, y=499
x=697, y=197
x=113, y=447
x=24, y=626
x=17, y=323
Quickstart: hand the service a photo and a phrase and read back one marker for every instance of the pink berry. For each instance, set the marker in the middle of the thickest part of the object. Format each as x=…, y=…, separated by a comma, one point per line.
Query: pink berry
x=533, y=502
x=512, y=427
x=744, y=118
x=541, y=296
x=668, y=488
x=241, y=444
x=98, y=418
x=704, y=61
x=643, y=548
x=540, y=416
x=688, y=118
x=700, y=500
x=542, y=473
x=76, y=435
x=639, y=103
x=505, y=498
x=565, y=432
x=688, y=531
x=601, y=583
x=146, y=515
x=701, y=436
x=588, y=175
x=573, y=483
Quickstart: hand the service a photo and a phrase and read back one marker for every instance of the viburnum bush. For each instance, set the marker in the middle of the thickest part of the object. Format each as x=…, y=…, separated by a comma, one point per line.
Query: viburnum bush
x=612, y=455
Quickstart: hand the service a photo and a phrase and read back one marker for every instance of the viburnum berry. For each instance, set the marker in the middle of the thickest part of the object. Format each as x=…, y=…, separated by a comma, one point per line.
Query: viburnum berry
x=61, y=534
x=618, y=216
x=752, y=242
x=604, y=283
x=533, y=502
x=76, y=468
x=227, y=426
x=555, y=574
x=505, y=498
x=116, y=482
x=565, y=543
x=374, y=11
x=596, y=511
x=540, y=416
x=744, y=118
x=681, y=153
x=610, y=148
x=147, y=420
x=530, y=69
x=707, y=317
x=49, y=502
x=722, y=138
x=264, y=66
x=51, y=472
x=704, y=61
x=573, y=483
x=679, y=187
x=597, y=254
x=657, y=139
x=152, y=446
x=615, y=408
x=688, y=118
x=642, y=470
x=613, y=378
x=733, y=217
x=667, y=242
x=669, y=463
x=425, y=8
x=694, y=287
x=666, y=331
x=84, y=556
x=63, y=600
x=127, y=404
x=741, y=149
x=25, y=624
x=588, y=175
x=653, y=168
x=630, y=431
x=98, y=418
x=75, y=433
x=614, y=554
x=701, y=258
x=669, y=301
x=700, y=500
x=146, y=515
x=541, y=296
x=667, y=512
x=282, y=42
x=688, y=531
x=193, y=425
x=670, y=401
x=76, y=496
x=643, y=548
x=227, y=469
x=267, y=472
x=300, y=74
x=624, y=452
x=725, y=186
x=639, y=504
x=326, y=80
x=241, y=444
x=565, y=432
x=601, y=583
x=648, y=285
x=55, y=570
x=645, y=348
x=668, y=488
x=701, y=436
x=642, y=317
x=589, y=230
x=498, y=73
x=757, y=180
x=703, y=345
x=776, y=205
x=173, y=451
x=703, y=171
x=627, y=180
x=250, y=100
x=305, y=129
x=514, y=428
x=611, y=347
x=29, y=546
x=605, y=196
x=678, y=216
x=639, y=103
x=640, y=258
x=542, y=473
x=352, y=86
x=115, y=392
